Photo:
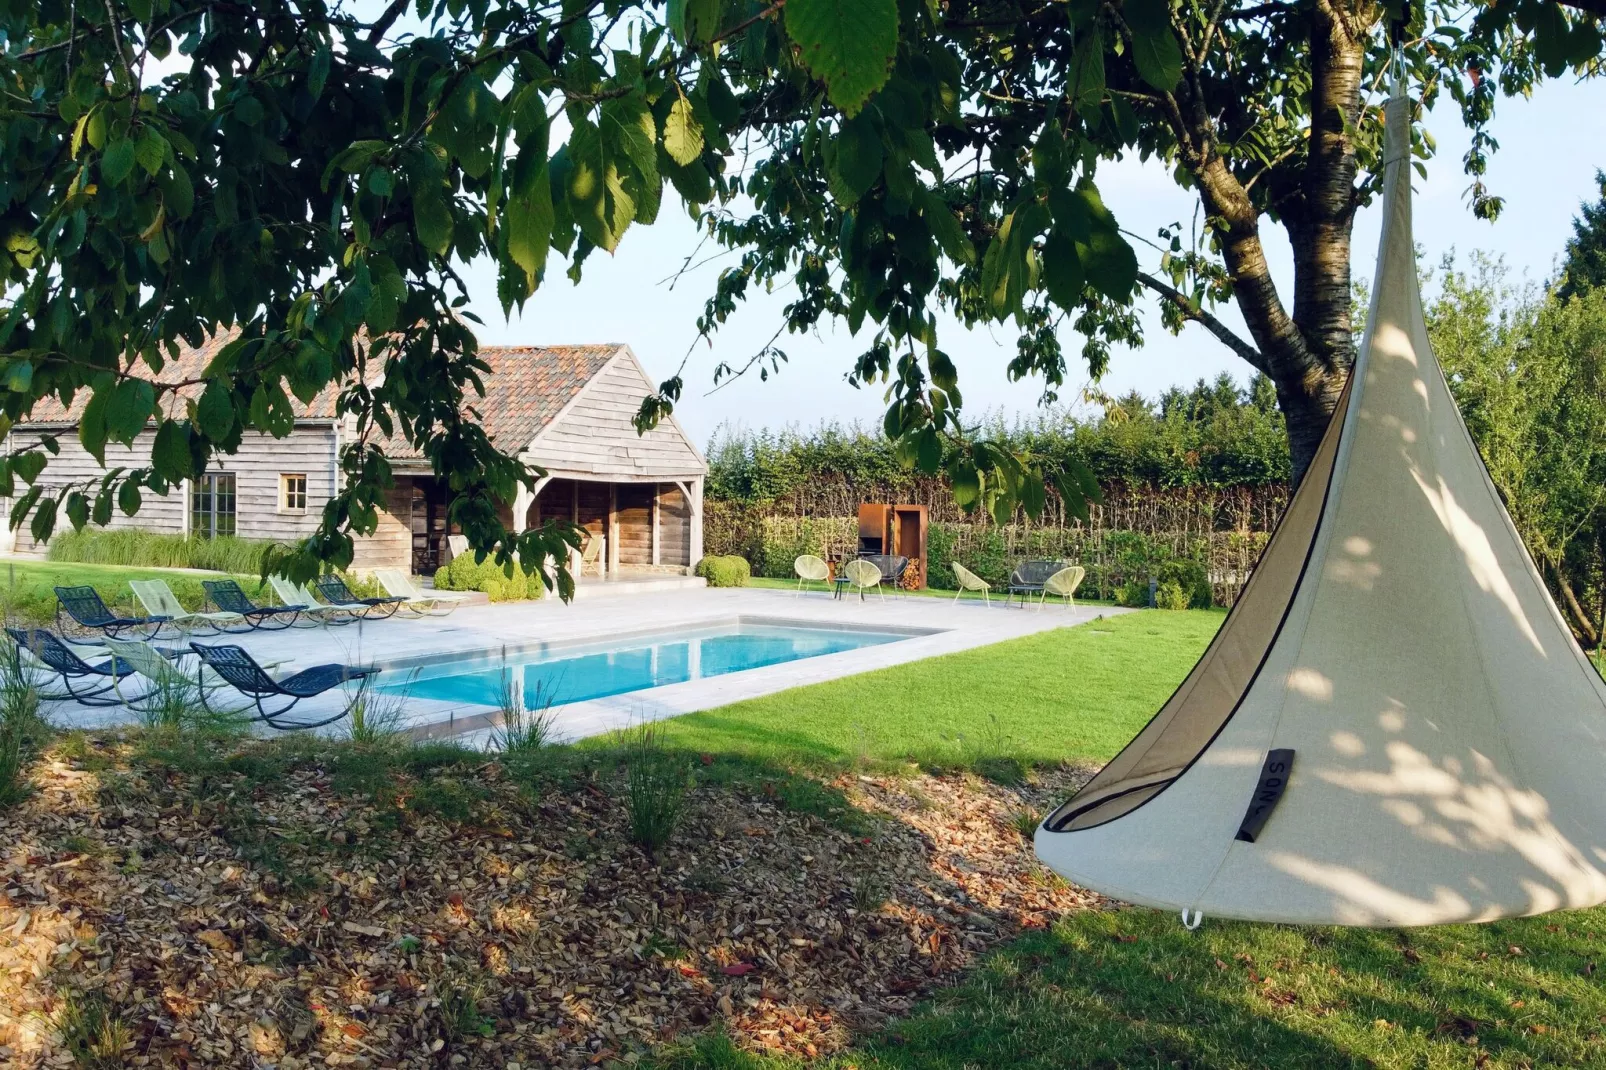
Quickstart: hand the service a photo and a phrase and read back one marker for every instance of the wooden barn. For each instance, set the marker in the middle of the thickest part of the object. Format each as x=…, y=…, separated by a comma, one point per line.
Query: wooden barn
x=567, y=409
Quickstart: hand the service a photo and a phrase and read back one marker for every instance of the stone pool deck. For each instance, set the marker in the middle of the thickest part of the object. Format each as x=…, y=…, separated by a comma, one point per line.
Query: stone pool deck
x=938, y=626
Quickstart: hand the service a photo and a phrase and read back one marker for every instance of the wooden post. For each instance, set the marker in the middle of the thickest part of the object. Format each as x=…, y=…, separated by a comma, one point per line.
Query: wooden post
x=611, y=550
x=696, y=504
x=656, y=489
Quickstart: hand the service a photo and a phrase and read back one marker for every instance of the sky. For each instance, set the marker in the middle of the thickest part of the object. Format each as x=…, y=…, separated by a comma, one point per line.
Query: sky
x=1550, y=147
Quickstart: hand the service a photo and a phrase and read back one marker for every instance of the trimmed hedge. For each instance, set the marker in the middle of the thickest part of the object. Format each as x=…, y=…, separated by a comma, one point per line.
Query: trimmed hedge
x=511, y=584
x=728, y=571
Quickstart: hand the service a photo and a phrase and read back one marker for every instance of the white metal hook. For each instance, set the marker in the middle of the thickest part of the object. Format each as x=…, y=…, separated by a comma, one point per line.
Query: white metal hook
x=1198, y=918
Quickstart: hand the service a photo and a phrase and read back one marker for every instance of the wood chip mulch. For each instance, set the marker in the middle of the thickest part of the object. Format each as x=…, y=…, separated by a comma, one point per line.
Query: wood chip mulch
x=236, y=925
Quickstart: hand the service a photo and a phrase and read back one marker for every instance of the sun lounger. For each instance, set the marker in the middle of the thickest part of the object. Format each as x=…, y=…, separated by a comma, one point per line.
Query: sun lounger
x=89, y=615
x=227, y=595
x=336, y=593
x=47, y=648
x=250, y=679
x=313, y=611
x=159, y=601
x=415, y=600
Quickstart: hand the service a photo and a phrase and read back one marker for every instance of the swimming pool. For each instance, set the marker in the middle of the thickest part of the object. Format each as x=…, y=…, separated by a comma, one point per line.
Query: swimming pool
x=556, y=674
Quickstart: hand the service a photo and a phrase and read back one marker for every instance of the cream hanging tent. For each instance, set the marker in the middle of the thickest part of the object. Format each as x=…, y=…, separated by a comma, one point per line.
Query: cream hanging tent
x=1394, y=725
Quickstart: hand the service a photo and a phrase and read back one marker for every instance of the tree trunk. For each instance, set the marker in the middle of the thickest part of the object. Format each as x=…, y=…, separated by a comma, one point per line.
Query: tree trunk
x=1583, y=627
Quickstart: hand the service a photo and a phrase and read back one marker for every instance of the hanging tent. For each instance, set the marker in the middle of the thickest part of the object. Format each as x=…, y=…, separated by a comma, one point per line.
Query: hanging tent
x=1394, y=725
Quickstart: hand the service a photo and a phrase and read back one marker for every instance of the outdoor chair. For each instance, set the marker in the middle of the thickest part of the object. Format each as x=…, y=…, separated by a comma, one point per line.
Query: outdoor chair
x=88, y=613
x=861, y=575
x=161, y=667
x=414, y=599
x=891, y=566
x=314, y=611
x=1063, y=584
x=228, y=596
x=811, y=569
x=1029, y=577
x=159, y=601
x=250, y=679
x=969, y=581
x=336, y=593
x=591, y=554
x=47, y=648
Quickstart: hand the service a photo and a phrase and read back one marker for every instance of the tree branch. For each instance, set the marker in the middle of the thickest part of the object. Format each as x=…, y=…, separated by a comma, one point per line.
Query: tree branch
x=1191, y=311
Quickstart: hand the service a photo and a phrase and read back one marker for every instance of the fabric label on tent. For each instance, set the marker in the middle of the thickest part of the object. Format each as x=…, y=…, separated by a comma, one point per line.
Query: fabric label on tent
x=1273, y=779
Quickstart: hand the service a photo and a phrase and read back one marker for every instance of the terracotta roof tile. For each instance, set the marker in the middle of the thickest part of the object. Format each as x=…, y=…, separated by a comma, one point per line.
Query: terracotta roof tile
x=526, y=388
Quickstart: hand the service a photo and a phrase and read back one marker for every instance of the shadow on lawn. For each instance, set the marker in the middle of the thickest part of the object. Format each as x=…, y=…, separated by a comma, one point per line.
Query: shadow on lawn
x=1133, y=989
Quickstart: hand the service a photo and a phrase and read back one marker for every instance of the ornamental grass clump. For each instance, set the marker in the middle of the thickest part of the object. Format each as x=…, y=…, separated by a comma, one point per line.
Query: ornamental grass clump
x=657, y=779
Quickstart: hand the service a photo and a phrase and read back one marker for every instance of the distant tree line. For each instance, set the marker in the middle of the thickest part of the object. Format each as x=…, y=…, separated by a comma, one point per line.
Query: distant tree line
x=1215, y=435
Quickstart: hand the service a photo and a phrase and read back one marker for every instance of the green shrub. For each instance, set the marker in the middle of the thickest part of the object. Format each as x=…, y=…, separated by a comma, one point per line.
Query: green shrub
x=1170, y=595
x=730, y=571
x=509, y=584
x=133, y=546
x=1134, y=593
x=1190, y=576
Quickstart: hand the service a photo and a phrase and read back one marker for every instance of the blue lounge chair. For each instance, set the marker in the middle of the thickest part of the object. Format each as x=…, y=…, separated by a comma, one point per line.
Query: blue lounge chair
x=89, y=614
x=336, y=593
x=227, y=595
x=250, y=679
x=47, y=648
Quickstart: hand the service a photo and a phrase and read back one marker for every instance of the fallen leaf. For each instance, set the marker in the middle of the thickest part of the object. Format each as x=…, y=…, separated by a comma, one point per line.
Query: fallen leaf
x=216, y=939
x=737, y=969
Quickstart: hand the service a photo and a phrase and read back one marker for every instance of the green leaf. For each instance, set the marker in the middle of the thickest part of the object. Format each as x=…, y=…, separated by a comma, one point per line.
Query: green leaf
x=20, y=376
x=215, y=412
x=117, y=163
x=629, y=135
x=1085, y=81
x=1063, y=276
x=432, y=220
x=849, y=44
x=77, y=510
x=128, y=499
x=44, y=520
x=951, y=237
x=966, y=484
x=858, y=156
x=129, y=408
x=597, y=197
x=693, y=22
x=28, y=465
x=1154, y=42
x=683, y=134
x=103, y=508
x=92, y=425
x=170, y=453
x=529, y=213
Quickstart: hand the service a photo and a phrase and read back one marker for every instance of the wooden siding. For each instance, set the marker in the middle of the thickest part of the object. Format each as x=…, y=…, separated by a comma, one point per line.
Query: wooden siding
x=634, y=502
x=309, y=450
x=674, y=526
x=391, y=544
x=595, y=436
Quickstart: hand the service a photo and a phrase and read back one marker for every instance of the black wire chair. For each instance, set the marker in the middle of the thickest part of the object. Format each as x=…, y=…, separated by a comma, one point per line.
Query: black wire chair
x=89, y=615
x=336, y=593
x=47, y=648
x=243, y=673
x=227, y=595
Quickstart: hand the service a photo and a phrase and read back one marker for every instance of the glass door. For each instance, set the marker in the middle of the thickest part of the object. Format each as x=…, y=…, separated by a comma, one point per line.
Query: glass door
x=212, y=504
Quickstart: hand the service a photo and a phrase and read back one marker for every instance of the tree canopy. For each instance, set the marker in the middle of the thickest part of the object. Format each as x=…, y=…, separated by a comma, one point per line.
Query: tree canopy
x=315, y=175
x=1584, y=267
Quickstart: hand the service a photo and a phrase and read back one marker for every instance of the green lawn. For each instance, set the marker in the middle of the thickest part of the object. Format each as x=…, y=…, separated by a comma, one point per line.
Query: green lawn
x=1133, y=988
x=1075, y=693
x=26, y=586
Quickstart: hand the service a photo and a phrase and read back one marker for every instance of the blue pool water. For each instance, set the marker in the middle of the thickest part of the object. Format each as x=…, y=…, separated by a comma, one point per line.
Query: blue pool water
x=576, y=673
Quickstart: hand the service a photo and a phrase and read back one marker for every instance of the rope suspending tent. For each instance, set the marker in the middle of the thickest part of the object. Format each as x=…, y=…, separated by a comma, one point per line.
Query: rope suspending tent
x=1394, y=725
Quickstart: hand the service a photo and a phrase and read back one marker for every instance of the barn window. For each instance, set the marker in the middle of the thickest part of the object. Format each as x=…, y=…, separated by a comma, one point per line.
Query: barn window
x=293, y=492
x=212, y=505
